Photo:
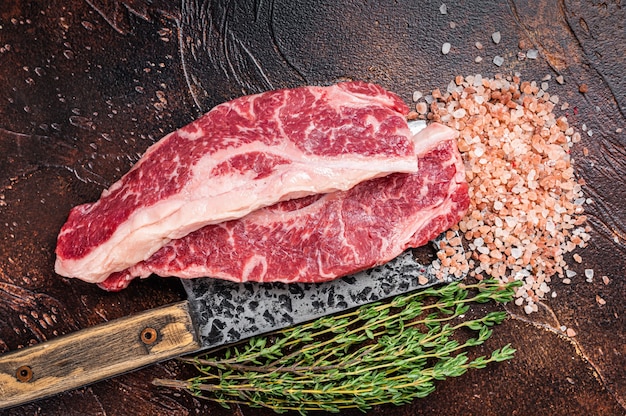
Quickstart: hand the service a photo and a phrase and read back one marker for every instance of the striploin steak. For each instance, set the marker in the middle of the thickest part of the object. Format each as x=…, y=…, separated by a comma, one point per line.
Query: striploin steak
x=242, y=155
x=321, y=237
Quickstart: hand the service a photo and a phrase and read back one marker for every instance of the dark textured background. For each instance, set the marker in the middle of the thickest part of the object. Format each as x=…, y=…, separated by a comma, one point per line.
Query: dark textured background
x=87, y=85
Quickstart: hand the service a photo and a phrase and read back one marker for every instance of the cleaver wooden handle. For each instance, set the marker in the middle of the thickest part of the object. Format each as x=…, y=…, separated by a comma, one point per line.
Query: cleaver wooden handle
x=96, y=353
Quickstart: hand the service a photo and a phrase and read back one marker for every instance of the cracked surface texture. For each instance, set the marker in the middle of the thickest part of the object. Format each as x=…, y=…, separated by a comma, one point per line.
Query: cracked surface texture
x=87, y=86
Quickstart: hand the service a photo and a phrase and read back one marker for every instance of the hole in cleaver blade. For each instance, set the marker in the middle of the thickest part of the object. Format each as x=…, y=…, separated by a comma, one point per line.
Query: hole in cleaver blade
x=226, y=312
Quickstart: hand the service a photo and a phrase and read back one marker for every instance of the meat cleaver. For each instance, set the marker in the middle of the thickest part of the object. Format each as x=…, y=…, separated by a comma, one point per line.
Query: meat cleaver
x=215, y=313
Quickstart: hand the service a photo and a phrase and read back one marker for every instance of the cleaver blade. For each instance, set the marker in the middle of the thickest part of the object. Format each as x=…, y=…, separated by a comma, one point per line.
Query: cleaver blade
x=227, y=312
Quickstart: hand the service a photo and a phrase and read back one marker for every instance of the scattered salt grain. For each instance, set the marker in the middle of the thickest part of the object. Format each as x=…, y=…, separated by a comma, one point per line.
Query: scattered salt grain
x=589, y=275
x=478, y=59
x=532, y=54
x=498, y=60
x=495, y=36
x=560, y=79
x=443, y=9
x=478, y=45
x=445, y=49
x=600, y=300
x=417, y=95
x=570, y=333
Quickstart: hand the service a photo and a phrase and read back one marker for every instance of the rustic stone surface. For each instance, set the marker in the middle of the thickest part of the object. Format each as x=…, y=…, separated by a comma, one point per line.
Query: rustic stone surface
x=87, y=86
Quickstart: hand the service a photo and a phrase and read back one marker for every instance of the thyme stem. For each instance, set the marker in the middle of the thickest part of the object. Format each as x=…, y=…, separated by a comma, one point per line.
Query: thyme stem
x=387, y=352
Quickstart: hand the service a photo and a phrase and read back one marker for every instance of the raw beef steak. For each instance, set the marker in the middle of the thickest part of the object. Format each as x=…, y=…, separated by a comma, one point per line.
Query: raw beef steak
x=243, y=155
x=322, y=237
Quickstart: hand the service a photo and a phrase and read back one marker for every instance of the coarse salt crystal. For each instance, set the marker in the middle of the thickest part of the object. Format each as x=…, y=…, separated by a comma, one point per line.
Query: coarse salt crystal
x=532, y=54
x=417, y=95
x=460, y=113
x=516, y=252
x=495, y=36
x=478, y=59
x=589, y=274
x=498, y=60
x=443, y=9
x=478, y=45
x=511, y=221
x=445, y=49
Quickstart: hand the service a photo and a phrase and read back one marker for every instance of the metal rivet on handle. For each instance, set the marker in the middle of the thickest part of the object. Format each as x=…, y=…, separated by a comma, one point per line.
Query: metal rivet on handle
x=149, y=336
x=24, y=373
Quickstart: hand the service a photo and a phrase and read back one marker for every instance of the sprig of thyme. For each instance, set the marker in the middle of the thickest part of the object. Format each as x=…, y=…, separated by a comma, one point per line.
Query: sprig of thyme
x=386, y=352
